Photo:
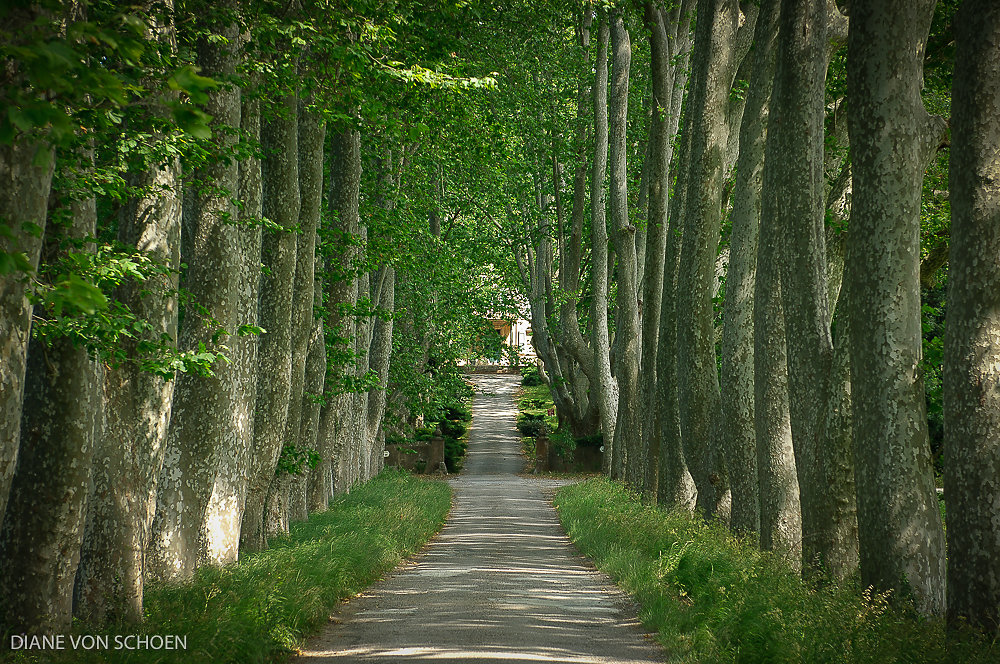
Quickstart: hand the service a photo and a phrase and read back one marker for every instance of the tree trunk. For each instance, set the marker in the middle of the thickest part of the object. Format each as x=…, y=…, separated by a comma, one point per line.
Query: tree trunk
x=280, y=204
x=318, y=490
x=201, y=423
x=972, y=345
x=63, y=414
x=129, y=456
x=607, y=387
x=737, y=375
x=828, y=523
x=341, y=291
x=628, y=422
x=312, y=135
x=698, y=378
x=901, y=540
x=669, y=50
x=224, y=518
x=24, y=197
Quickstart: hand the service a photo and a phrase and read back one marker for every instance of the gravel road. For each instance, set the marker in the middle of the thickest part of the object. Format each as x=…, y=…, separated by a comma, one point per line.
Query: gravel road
x=500, y=583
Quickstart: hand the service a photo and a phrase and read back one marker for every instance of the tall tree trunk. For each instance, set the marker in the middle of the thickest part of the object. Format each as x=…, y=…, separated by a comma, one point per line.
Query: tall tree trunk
x=737, y=375
x=318, y=490
x=380, y=353
x=341, y=290
x=777, y=481
x=675, y=485
x=698, y=378
x=280, y=204
x=796, y=153
x=571, y=252
x=63, y=415
x=24, y=197
x=669, y=44
x=312, y=134
x=129, y=456
x=607, y=387
x=201, y=422
x=628, y=421
x=972, y=345
x=224, y=518
x=901, y=539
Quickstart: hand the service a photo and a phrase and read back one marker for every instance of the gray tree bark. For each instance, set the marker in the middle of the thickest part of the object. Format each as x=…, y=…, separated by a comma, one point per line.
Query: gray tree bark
x=129, y=456
x=24, y=196
x=62, y=418
x=828, y=519
x=341, y=290
x=737, y=375
x=224, y=517
x=972, y=345
x=201, y=422
x=698, y=378
x=669, y=50
x=901, y=539
x=606, y=385
x=628, y=422
x=280, y=204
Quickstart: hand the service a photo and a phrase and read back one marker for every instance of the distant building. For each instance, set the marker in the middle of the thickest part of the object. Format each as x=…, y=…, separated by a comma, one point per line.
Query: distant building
x=516, y=336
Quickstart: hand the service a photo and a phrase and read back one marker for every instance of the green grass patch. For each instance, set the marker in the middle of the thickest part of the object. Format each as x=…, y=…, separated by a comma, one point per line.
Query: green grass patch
x=262, y=607
x=715, y=598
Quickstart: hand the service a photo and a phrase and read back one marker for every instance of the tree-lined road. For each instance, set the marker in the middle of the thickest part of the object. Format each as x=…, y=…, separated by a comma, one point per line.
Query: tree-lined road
x=500, y=583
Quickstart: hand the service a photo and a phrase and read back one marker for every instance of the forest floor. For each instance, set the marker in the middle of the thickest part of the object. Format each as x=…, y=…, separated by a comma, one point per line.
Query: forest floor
x=501, y=582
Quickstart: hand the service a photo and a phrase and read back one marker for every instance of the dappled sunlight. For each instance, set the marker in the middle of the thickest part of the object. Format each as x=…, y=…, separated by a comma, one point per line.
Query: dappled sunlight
x=501, y=582
x=424, y=653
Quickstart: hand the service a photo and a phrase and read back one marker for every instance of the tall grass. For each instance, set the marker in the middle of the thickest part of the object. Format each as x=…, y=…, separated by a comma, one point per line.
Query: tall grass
x=714, y=598
x=263, y=606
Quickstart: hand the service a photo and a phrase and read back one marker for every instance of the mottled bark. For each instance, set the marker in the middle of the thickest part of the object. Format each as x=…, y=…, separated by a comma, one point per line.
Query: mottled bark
x=628, y=436
x=901, y=539
x=129, y=456
x=675, y=486
x=571, y=250
x=63, y=415
x=201, y=419
x=24, y=195
x=318, y=490
x=224, y=517
x=796, y=153
x=972, y=345
x=280, y=204
x=778, y=488
x=737, y=375
x=605, y=385
x=341, y=289
x=698, y=378
x=380, y=352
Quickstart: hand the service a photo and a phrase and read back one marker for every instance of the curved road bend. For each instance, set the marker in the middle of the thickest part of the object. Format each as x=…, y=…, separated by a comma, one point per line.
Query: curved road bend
x=500, y=583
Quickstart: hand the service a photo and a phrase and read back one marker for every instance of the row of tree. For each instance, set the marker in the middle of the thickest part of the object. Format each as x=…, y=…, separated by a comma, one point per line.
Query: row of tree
x=208, y=277
x=715, y=209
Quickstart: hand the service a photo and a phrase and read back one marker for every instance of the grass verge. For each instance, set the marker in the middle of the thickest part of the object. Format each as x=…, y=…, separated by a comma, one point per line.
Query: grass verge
x=714, y=598
x=262, y=607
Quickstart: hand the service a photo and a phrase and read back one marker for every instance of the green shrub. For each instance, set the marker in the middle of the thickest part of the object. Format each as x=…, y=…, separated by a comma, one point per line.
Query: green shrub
x=530, y=424
x=454, y=454
x=458, y=411
x=593, y=440
x=530, y=376
x=452, y=429
x=531, y=404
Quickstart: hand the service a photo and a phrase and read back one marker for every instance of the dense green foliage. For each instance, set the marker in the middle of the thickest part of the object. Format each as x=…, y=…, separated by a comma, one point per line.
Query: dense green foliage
x=712, y=597
x=265, y=605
